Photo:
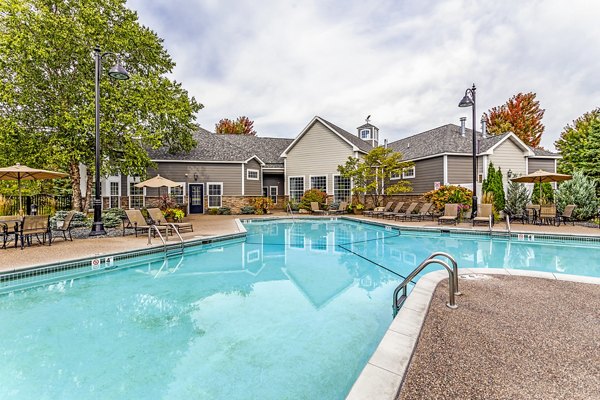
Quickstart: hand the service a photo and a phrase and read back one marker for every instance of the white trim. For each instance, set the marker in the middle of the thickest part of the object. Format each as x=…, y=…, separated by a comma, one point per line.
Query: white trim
x=243, y=180
x=333, y=186
x=414, y=174
x=130, y=180
x=256, y=158
x=252, y=170
x=303, y=184
x=522, y=144
x=183, y=186
x=271, y=195
x=319, y=176
x=199, y=161
x=208, y=195
x=445, y=167
x=485, y=163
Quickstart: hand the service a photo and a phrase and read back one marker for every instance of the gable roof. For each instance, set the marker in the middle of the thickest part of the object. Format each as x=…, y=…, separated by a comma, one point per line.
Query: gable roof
x=447, y=139
x=354, y=141
x=227, y=148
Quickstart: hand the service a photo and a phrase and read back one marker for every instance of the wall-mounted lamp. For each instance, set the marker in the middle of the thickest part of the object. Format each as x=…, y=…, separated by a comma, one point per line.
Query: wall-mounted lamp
x=509, y=174
x=195, y=176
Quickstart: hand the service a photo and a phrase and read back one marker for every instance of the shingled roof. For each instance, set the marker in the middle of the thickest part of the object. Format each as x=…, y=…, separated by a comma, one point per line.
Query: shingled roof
x=354, y=139
x=228, y=148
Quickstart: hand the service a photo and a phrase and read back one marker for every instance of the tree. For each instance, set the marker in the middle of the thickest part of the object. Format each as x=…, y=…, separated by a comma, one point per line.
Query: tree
x=521, y=115
x=495, y=185
x=579, y=145
x=47, y=90
x=517, y=198
x=371, y=175
x=580, y=191
x=241, y=126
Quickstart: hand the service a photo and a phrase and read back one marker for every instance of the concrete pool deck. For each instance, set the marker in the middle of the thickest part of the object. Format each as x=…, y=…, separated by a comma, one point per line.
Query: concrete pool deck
x=376, y=386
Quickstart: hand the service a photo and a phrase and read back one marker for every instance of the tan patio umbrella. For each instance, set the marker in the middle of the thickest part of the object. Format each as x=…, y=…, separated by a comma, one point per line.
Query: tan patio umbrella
x=157, y=182
x=541, y=176
x=19, y=172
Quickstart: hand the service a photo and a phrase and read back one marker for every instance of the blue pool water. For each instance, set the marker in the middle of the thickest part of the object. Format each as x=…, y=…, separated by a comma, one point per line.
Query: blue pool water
x=294, y=311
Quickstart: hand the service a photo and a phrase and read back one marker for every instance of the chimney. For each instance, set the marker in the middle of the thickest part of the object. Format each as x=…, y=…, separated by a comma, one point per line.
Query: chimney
x=462, y=126
x=385, y=143
x=483, y=128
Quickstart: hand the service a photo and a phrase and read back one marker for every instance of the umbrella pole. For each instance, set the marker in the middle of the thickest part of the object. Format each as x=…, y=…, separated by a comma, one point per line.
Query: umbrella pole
x=20, y=198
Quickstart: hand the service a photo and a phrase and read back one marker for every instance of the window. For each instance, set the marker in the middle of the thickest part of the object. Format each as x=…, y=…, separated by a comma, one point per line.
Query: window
x=178, y=193
x=341, y=188
x=319, y=182
x=408, y=172
x=395, y=175
x=252, y=174
x=136, y=196
x=296, y=187
x=273, y=193
x=365, y=134
x=215, y=194
x=114, y=195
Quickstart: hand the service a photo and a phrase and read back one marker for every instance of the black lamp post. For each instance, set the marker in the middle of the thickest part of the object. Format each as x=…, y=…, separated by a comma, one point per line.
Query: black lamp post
x=469, y=101
x=119, y=73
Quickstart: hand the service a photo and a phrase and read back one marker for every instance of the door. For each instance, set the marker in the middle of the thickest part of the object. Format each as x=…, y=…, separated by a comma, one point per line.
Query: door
x=196, y=198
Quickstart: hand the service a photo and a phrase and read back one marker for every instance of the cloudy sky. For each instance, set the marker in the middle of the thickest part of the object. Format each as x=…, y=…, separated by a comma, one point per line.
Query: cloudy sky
x=405, y=63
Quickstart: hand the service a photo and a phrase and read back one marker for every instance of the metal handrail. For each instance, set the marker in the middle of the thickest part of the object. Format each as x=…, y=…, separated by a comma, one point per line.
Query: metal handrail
x=508, y=223
x=154, y=227
x=174, y=227
x=289, y=210
x=452, y=281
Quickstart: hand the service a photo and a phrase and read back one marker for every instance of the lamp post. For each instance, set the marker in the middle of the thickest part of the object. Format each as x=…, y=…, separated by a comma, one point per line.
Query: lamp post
x=469, y=101
x=119, y=73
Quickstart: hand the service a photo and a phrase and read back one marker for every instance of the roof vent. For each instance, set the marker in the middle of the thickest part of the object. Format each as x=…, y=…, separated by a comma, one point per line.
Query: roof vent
x=462, y=126
x=385, y=143
x=483, y=128
x=408, y=145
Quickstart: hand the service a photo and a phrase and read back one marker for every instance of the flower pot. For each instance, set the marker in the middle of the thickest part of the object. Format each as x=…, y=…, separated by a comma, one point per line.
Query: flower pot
x=357, y=212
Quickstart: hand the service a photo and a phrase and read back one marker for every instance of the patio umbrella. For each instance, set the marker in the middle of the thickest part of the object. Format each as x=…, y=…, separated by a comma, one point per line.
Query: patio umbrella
x=19, y=172
x=541, y=176
x=157, y=182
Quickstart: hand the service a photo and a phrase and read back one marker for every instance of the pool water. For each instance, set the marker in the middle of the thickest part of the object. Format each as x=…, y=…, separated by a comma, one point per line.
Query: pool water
x=292, y=312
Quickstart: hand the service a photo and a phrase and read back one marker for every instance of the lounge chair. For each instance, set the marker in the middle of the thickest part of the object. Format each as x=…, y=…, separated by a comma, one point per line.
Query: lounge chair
x=378, y=211
x=395, y=211
x=484, y=215
x=424, y=211
x=35, y=225
x=342, y=208
x=159, y=219
x=137, y=222
x=450, y=214
x=567, y=215
x=408, y=213
x=548, y=215
x=9, y=227
x=314, y=208
x=66, y=225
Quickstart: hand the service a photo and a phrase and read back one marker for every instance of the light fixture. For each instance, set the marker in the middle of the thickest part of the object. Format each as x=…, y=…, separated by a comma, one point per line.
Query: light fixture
x=195, y=176
x=469, y=101
x=119, y=73
x=509, y=174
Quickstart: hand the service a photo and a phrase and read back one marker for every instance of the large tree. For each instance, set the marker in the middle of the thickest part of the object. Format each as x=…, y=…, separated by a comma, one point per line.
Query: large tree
x=372, y=174
x=521, y=114
x=579, y=145
x=47, y=89
x=241, y=126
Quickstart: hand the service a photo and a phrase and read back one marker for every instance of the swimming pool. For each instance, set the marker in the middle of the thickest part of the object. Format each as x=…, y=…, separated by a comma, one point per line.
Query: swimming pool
x=293, y=311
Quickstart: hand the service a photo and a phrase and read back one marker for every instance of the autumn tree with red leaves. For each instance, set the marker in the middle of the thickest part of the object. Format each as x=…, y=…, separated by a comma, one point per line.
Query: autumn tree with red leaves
x=521, y=115
x=241, y=126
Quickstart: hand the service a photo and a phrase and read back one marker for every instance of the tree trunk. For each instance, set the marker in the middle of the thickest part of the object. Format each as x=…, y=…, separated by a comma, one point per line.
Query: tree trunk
x=75, y=184
x=88, y=192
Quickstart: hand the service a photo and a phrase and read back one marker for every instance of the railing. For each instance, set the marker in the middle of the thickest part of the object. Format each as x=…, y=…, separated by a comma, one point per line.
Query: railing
x=174, y=227
x=155, y=229
x=289, y=211
x=508, y=224
x=452, y=281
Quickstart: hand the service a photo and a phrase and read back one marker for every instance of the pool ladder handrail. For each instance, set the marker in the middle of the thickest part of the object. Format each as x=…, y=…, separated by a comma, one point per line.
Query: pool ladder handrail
x=176, y=229
x=508, y=224
x=289, y=210
x=164, y=242
x=452, y=280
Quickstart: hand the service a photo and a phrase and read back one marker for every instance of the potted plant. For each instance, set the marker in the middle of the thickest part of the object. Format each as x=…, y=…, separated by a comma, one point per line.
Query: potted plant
x=358, y=208
x=173, y=215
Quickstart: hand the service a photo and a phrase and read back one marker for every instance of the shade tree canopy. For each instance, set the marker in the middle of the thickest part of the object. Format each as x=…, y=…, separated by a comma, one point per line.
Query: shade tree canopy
x=241, y=126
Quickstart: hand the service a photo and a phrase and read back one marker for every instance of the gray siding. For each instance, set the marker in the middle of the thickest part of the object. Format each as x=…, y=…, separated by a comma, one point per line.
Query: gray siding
x=508, y=155
x=274, y=180
x=317, y=153
x=252, y=187
x=228, y=174
x=546, y=164
x=426, y=173
x=460, y=170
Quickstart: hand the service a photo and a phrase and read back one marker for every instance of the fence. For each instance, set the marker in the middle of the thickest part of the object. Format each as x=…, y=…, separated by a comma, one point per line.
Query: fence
x=44, y=204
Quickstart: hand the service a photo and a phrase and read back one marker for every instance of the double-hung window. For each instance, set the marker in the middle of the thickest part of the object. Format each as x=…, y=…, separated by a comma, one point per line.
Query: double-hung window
x=341, y=188
x=319, y=182
x=178, y=193
x=296, y=187
x=215, y=194
x=114, y=195
x=136, y=196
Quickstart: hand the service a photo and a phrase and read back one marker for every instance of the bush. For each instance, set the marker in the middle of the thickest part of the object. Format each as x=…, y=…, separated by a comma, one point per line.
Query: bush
x=174, y=213
x=580, y=191
x=517, y=197
x=213, y=211
x=313, y=195
x=113, y=217
x=247, y=210
x=262, y=205
x=494, y=184
x=224, y=211
x=293, y=205
x=449, y=194
x=547, y=194
x=79, y=219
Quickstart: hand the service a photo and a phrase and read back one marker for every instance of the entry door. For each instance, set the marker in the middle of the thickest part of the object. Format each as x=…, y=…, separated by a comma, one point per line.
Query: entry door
x=196, y=198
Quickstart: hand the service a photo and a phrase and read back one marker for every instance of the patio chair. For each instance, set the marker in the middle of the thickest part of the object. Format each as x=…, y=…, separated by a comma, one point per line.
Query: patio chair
x=533, y=213
x=314, y=208
x=342, y=208
x=484, y=215
x=408, y=213
x=35, y=225
x=395, y=211
x=378, y=212
x=424, y=211
x=450, y=214
x=137, y=222
x=159, y=219
x=548, y=215
x=567, y=214
x=66, y=226
x=9, y=227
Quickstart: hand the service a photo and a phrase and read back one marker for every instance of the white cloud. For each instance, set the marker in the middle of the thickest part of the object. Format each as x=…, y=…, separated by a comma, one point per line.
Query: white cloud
x=405, y=63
